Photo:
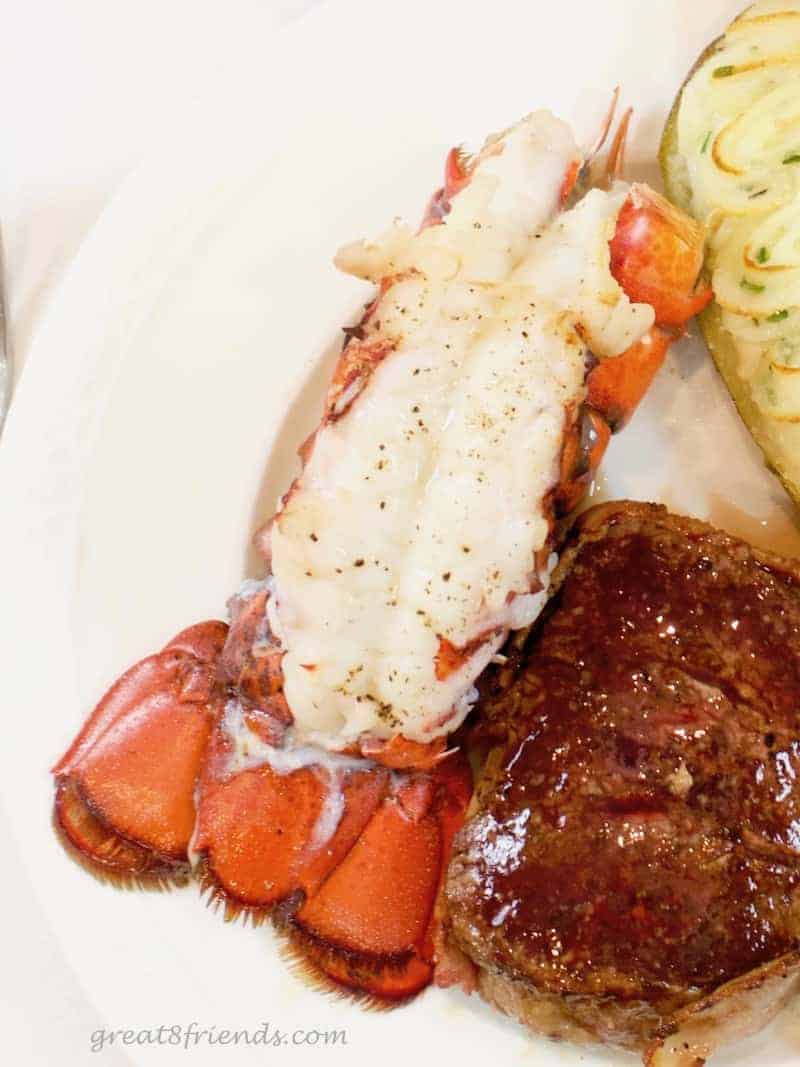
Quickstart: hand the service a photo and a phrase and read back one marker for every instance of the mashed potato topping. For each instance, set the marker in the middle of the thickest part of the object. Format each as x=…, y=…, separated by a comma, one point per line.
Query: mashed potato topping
x=738, y=130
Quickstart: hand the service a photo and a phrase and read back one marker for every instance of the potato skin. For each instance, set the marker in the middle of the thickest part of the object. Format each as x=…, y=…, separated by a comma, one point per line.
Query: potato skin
x=765, y=432
x=671, y=163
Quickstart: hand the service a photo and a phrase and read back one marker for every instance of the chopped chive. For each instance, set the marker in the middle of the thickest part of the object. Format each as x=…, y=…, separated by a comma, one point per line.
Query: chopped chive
x=758, y=192
x=704, y=145
x=762, y=255
x=751, y=286
x=724, y=72
x=778, y=316
x=793, y=157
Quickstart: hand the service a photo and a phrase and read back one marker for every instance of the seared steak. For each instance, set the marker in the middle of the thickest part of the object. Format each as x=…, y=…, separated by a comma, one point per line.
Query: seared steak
x=631, y=869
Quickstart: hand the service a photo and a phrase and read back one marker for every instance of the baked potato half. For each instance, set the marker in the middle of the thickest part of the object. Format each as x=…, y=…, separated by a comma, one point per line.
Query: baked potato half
x=730, y=156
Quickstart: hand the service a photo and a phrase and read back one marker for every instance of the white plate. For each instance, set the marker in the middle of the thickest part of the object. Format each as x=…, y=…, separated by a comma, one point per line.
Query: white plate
x=179, y=369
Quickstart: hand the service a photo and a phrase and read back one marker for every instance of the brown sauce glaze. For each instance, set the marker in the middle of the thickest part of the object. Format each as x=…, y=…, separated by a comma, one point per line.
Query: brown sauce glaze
x=643, y=833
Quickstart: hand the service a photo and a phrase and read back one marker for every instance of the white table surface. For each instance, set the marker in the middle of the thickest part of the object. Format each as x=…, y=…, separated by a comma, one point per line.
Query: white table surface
x=86, y=87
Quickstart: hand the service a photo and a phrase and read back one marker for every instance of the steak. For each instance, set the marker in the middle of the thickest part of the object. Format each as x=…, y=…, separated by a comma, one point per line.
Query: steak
x=630, y=870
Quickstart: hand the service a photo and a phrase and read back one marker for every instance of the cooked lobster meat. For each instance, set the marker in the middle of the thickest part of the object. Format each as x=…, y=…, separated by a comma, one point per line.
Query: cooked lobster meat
x=630, y=872
x=302, y=766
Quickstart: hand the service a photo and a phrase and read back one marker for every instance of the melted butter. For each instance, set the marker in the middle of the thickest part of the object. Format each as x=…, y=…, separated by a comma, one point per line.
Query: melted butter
x=248, y=752
x=776, y=533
